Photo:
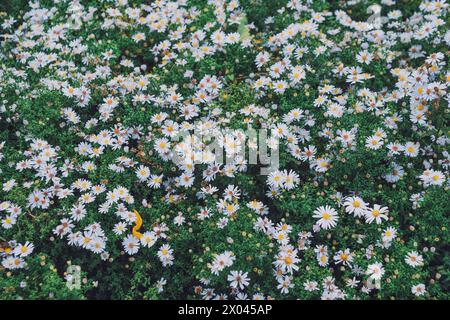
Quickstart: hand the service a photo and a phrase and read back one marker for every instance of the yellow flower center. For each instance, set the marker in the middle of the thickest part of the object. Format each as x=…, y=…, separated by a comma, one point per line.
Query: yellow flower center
x=288, y=260
x=230, y=208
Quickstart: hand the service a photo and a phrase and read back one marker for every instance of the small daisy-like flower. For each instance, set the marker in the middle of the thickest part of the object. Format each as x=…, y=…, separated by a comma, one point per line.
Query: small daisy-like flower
x=327, y=216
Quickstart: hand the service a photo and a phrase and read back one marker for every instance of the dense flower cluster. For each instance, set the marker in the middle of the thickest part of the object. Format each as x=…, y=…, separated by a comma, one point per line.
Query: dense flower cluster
x=94, y=98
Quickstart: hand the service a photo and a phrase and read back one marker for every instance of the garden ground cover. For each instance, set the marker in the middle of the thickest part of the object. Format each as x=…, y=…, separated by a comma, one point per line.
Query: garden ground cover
x=108, y=189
